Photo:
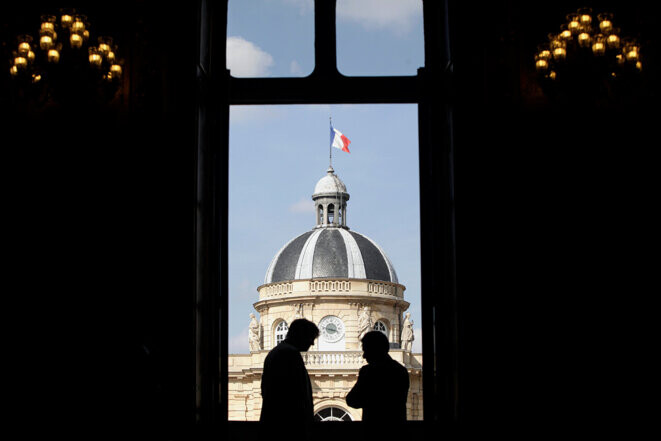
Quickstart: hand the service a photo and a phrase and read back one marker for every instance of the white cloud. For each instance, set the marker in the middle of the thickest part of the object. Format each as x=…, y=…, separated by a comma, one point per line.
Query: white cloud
x=238, y=344
x=295, y=68
x=304, y=205
x=394, y=15
x=246, y=59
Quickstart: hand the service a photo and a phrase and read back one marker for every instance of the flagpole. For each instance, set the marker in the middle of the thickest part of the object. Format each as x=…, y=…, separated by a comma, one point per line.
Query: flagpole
x=330, y=147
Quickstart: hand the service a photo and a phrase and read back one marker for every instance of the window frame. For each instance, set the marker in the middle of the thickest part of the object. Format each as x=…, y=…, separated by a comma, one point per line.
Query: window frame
x=430, y=90
x=331, y=408
x=384, y=331
x=279, y=332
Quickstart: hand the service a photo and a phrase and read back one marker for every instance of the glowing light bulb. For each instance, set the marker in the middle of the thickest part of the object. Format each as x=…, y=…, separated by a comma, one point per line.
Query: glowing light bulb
x=606, y=26
x=599, y=45
x=542, y=64
x=77, y=26
x=53, y=56
x=116, y=70
x=583, y=39
x=76, y=40
x=66, y=20
x=95, y=59
x=613, y=40
x=45, y=42
x=599, y=48
x=559, y=53
x=20, y=62
x=24, y=48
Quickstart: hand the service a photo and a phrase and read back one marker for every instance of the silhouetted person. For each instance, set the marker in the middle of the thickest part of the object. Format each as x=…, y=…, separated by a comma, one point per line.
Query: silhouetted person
x=286, y=388
x=382, y=387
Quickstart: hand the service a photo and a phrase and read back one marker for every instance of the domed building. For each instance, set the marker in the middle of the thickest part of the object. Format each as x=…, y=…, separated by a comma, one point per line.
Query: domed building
x=342, y=281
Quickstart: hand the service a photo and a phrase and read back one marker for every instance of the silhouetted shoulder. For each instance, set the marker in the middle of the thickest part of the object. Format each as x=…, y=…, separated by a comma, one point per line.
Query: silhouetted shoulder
x=286, y=390
x=381, y=391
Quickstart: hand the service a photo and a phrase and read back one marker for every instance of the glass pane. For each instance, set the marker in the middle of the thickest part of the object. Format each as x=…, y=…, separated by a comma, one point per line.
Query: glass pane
x=270, y=38
x=379, y=37
x=279, y=159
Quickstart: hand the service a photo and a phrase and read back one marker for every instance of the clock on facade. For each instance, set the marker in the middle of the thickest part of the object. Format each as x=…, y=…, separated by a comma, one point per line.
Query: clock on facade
x=331, y=329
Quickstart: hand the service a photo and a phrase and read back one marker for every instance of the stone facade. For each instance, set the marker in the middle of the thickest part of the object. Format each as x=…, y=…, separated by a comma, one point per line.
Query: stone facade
x=343, y=298
x=343, y=282
x=333, y=366
x=333, y=374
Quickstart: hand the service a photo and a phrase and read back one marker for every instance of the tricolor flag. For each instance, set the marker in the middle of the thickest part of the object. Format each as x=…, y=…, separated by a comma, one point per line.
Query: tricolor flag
x=338, y=140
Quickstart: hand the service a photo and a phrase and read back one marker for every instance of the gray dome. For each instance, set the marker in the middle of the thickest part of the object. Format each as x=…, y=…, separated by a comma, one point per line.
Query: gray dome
x=329, y=184
x=330, y=253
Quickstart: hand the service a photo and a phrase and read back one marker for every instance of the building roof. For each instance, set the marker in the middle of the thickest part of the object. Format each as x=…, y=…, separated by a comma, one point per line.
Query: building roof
x=329, y=184
x=331, y=252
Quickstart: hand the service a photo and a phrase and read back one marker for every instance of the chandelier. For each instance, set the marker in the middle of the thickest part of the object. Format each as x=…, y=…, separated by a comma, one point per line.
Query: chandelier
x=62, y=54
x=587, y=49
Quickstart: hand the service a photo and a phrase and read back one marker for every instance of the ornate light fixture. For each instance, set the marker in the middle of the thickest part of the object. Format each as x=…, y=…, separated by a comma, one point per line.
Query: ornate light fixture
x=63, y=47
x=587, y=47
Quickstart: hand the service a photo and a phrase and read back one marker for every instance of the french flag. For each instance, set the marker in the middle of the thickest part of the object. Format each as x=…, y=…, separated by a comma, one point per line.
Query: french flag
x=338, y=140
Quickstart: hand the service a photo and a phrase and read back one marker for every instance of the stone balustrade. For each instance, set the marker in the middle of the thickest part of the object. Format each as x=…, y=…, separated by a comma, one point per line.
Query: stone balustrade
x=333, y=359
x=343, y=287
x=278, y=289
x=326, y=286
x=321, y=360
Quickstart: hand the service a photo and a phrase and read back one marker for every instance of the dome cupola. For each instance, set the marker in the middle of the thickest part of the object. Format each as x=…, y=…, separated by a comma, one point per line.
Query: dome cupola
x=330, y=201
x=330, y=250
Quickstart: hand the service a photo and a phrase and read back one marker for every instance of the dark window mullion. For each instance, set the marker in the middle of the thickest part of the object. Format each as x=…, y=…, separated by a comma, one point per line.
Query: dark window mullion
x=325, y=53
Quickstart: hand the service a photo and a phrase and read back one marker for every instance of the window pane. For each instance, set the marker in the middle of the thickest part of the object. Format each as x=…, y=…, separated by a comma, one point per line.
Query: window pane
x=279, y=159
x=270, y=38
x=379, y=37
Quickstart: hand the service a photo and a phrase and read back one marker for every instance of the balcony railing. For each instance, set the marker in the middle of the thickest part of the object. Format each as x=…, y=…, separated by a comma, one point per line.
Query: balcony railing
x=340, y=287
x=333, y=359
x=321, y=360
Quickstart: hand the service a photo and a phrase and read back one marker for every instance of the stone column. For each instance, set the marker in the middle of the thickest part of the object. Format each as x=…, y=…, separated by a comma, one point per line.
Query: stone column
x=397, y=327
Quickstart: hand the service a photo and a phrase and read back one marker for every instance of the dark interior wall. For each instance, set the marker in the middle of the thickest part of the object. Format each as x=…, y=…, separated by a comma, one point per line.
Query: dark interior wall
x=555, y=226
x=99, y=231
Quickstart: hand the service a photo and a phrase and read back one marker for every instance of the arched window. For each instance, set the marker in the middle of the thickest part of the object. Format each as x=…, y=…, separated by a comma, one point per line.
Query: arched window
x=380, y=326
x=281, y=332
x=331, y=213
x=332, y=414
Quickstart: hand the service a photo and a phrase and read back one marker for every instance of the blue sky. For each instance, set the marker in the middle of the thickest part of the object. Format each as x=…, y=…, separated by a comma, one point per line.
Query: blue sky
x=278, y=153
x=276, y=37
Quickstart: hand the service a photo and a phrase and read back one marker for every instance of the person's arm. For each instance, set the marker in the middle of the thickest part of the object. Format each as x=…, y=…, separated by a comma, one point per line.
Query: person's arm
x=357, y=395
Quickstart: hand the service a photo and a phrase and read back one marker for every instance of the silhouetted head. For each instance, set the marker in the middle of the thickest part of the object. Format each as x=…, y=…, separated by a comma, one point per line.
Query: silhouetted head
x=302, y=334
x=375, y=346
